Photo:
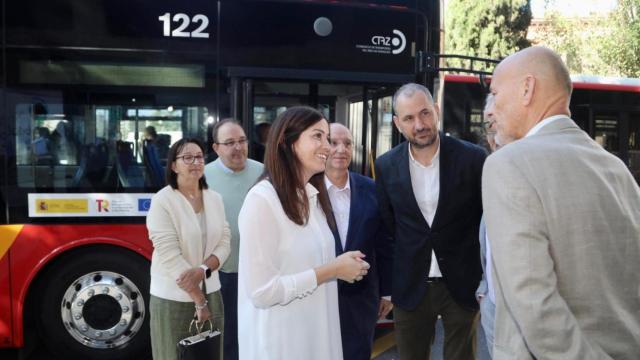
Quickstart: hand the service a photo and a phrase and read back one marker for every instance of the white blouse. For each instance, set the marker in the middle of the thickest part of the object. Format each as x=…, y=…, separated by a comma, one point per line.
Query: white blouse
x=282, y=312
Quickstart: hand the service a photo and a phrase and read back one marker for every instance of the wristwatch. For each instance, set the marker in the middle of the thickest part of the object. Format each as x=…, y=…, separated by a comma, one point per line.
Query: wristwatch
x=207, y=271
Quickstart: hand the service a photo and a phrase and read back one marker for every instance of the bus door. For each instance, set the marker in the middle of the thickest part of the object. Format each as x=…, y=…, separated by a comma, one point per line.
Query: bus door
x=618, y=131
x=364, y=109
x=634, y=144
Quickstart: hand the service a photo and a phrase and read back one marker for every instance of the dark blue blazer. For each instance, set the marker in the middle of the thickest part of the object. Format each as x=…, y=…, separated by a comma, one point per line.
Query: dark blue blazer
x=359, y=301
x=453, y=235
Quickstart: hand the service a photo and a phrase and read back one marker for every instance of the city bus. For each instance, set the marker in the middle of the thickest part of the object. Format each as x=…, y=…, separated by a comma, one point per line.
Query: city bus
x=87, y=85
x=608, y=109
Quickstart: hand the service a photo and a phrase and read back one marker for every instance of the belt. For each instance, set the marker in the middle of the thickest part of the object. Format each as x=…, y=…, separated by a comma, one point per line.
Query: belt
x=434, y=279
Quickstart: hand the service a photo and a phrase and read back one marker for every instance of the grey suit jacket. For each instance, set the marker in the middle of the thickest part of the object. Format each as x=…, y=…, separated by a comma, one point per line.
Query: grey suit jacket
x=563, y=221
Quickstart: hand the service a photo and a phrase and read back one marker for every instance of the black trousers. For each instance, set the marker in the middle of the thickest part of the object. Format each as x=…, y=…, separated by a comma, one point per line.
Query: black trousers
x=229, y=283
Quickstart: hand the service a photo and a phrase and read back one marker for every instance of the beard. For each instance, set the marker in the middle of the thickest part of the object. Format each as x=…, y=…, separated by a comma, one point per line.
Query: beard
x=432, y=136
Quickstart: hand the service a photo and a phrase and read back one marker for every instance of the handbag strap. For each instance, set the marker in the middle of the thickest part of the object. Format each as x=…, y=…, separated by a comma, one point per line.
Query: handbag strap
x=199, y=326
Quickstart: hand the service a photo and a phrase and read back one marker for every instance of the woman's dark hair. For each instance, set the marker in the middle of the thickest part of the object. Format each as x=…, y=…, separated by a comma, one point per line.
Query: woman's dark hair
x=283, y=168
x=171, y=177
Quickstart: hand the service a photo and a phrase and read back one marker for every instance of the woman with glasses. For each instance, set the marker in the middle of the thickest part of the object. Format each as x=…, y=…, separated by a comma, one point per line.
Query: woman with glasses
x=288, y=270
x=190, y=236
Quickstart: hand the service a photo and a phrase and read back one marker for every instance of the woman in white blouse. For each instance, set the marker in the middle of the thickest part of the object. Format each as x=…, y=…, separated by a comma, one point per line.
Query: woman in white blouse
x=190, y=236
x=287, y=292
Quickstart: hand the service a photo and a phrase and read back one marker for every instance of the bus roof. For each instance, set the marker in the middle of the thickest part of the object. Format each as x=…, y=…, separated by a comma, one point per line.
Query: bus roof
x=586, y=82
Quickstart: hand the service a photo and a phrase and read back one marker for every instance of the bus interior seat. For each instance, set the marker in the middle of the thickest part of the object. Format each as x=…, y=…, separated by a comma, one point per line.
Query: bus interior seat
x=92, y=170
x=129, y=173
x=153, y=167
x=162, y=146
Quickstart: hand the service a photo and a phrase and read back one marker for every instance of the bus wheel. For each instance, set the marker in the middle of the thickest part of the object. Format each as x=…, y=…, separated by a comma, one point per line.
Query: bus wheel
x=95, y=305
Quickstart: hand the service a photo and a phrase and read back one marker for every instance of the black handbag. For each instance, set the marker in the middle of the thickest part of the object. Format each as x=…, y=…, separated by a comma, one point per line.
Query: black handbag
x=203, y=345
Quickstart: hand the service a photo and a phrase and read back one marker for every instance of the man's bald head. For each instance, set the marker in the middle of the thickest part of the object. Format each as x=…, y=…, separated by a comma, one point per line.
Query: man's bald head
x=544, y=64
x=337, y=127
x=341, y=149
x=527, y=87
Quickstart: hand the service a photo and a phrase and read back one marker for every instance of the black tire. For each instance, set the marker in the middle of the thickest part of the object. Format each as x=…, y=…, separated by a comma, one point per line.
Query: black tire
x=125, y=276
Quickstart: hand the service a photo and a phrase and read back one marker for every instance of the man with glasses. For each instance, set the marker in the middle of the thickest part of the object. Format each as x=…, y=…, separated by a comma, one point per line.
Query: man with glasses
x=231, y=175
x=485, y=293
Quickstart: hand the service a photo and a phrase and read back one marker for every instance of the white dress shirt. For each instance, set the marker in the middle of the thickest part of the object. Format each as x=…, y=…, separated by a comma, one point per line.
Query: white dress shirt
x=425, y=181
x=534, y=130
x=282, y=312
x=341, y=203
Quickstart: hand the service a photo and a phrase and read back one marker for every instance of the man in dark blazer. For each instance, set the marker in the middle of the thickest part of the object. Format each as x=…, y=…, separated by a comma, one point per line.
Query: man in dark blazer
x=429, y=194
x=359, y=227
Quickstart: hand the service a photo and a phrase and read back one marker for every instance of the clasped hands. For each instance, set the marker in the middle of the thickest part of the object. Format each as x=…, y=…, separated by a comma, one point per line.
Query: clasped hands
x=351, y=267
x=190, y=279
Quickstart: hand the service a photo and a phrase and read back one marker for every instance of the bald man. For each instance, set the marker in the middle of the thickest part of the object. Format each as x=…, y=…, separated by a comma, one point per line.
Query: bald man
x=355, y=209
x=563, y=224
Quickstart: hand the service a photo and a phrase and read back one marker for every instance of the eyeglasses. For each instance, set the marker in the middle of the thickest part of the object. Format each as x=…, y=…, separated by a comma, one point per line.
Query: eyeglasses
x=488, y=124
x=191, y=159
x=240, y=142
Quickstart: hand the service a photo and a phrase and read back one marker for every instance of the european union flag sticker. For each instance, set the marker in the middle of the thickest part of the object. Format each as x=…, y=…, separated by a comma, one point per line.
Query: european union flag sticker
x=144, y=204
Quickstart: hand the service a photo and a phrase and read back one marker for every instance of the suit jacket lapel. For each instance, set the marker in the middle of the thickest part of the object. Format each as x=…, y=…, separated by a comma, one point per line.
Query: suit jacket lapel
x=354, y=208
x=336, y=236
x=403, y=173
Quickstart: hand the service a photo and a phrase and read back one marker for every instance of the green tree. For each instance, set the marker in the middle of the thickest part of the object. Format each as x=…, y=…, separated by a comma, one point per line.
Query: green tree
x=578, y=41
x=621, y=45
x=490, y=29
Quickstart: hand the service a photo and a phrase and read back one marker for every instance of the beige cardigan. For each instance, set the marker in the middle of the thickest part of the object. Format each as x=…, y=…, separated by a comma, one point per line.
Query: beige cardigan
x=175, y=232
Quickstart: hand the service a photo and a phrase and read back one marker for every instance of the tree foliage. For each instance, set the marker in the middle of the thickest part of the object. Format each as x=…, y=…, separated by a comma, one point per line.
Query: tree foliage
x=578, y=41
x=606, y=45
x=621, y=46
x=490, y=29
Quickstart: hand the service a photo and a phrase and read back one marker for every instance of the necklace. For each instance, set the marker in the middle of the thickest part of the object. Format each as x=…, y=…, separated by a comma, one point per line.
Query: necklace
x=190, y=196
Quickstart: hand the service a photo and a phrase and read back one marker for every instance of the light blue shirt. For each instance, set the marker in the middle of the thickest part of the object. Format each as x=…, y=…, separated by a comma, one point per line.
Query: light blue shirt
x=488, y=272
x=224, y=167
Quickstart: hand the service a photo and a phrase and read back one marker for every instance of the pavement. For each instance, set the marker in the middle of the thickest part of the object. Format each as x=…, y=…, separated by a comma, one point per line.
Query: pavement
x=384, y=347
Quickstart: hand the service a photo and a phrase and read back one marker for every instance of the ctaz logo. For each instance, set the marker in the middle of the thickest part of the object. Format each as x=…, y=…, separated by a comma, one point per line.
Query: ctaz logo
x=398, y=42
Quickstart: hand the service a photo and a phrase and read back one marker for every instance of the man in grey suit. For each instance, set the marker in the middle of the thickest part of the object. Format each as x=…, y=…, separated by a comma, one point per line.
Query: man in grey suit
x=563, y=224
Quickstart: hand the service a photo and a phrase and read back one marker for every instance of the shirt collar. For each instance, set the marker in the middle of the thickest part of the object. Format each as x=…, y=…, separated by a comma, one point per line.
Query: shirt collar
x=328, y=184
x=311, y=190
x=434, y=160
x=224, y=167
x=534, y=130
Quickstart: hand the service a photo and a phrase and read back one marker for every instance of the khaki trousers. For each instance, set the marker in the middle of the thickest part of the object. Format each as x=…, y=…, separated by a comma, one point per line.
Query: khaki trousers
x=170, y=321
x=415, y=329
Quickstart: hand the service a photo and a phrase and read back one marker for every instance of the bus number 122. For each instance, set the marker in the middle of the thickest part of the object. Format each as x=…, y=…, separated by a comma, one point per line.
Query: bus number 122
x=184, y=21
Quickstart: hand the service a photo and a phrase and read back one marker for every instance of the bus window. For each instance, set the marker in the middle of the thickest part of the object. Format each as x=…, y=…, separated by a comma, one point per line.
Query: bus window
x=65, y=146
x=385, y=125
x=355, y=123
x=606, y=131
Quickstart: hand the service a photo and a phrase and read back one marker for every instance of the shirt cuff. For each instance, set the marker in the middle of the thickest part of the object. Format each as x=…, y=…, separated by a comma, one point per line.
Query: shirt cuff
x=218, y=253
x=305, y=283
x=388, y=298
